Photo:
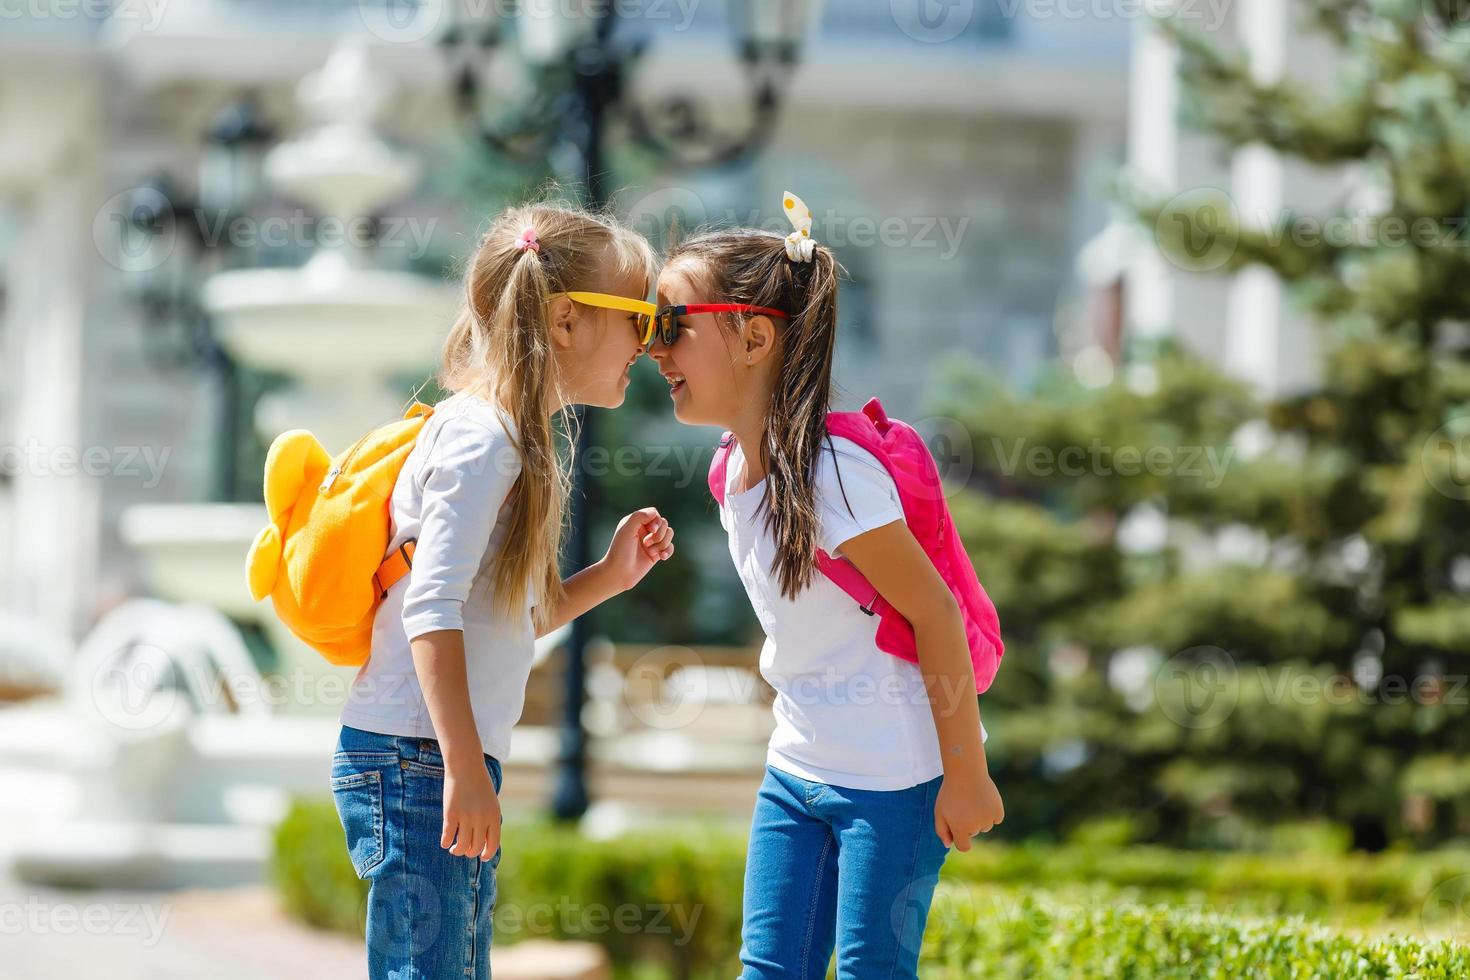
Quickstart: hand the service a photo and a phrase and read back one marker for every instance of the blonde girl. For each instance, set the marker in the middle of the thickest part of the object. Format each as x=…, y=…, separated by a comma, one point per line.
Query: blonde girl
x=555, y=314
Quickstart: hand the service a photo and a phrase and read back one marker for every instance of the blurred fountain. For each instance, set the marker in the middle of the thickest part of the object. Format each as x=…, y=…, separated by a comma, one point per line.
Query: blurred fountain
x=339, y=328
x=169, y=756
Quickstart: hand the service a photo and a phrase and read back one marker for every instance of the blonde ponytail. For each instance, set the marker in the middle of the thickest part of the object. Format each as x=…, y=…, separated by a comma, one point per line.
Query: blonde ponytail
x=500, y=349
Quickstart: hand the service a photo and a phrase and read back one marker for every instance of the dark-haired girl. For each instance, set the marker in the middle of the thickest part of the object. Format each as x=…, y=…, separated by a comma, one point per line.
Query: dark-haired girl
x=877, y=765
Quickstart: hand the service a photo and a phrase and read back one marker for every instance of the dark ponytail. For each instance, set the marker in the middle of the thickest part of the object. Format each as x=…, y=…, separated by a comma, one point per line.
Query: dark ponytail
x=750, y=266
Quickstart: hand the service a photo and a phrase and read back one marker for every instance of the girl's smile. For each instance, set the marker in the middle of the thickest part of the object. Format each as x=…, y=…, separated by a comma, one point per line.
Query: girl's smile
x=598, y=362
x=699, y=365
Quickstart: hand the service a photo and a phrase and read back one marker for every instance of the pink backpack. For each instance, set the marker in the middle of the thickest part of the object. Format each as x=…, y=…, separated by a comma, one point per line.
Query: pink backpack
x=903, y=453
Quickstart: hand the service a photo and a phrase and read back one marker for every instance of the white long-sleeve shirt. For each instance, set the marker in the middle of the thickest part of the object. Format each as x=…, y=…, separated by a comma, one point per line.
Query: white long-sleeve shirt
x=453, y=496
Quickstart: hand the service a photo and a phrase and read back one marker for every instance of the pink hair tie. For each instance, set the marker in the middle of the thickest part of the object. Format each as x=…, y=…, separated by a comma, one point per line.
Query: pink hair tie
x=528, y=240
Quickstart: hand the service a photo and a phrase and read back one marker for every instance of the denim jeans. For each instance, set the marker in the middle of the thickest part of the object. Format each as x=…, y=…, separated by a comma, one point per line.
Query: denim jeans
x=832, y=865
x=428, y=911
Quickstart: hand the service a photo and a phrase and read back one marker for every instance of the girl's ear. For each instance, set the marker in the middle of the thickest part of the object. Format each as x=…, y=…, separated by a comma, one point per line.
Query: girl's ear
x=759, y=339
x=560, y=314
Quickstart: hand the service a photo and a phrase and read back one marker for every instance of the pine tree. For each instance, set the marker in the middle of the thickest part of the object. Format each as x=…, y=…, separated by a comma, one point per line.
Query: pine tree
x=1296, y=646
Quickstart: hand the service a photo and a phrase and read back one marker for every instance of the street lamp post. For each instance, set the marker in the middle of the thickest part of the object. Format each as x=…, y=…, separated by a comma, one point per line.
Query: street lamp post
x=595, y=65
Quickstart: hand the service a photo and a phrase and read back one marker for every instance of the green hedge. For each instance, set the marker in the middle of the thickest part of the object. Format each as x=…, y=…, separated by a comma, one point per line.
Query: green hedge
x=981, y=932
x=1299, y=884
x=671, y=897
x=311, y=871
x=652, y=897
x=677, y=893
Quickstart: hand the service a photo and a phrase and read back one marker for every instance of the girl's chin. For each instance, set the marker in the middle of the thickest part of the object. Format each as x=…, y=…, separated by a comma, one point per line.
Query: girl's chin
x=619, y=391
x=686, y=412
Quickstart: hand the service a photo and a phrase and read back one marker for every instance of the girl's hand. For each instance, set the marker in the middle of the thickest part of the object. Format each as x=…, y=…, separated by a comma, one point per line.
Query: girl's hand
x=471, y=810
x=642, y=539
x=966, y=808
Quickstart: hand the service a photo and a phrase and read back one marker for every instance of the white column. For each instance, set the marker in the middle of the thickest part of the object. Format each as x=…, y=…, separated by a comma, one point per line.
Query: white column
x=1153, y=157
x=48, y=160
x=1253, y=323
x=54, y=551
x=10, y=389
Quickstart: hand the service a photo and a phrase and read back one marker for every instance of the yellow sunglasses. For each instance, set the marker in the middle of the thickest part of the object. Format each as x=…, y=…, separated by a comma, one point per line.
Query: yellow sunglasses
x=607, y=301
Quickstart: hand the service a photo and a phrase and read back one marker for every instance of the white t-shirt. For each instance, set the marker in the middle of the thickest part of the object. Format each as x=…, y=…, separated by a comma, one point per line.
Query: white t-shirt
x=453, y=495
x=847, y=713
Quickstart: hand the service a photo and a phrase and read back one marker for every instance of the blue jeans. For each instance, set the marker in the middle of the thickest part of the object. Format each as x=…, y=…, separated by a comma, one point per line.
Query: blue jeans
x=428, y=911
x=831, y=865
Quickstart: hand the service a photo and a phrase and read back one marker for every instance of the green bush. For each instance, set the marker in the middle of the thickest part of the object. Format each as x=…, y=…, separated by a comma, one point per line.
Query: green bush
x=1299, y=884
x=649, y=897
x=976, y=932
x=311, y=871
x=669, y=898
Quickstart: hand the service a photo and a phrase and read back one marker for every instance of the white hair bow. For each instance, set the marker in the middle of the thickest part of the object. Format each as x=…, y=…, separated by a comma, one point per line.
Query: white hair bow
x=799, y=244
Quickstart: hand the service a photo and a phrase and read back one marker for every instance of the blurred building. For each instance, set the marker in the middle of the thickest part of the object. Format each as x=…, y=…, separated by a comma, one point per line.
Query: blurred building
x=955, y=155
x=1244, y=321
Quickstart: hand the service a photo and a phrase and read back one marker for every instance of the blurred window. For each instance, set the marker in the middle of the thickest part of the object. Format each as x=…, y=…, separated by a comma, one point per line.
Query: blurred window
x=850, y=19
x=879, y=18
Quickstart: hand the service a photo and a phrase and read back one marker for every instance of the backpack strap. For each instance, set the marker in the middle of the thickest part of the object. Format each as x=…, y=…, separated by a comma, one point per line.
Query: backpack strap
x=865, y=428
x=845, y=575
x=718, y=465
x=394, y=567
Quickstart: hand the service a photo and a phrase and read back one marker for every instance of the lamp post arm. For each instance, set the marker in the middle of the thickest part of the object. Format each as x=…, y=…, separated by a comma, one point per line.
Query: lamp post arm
x=691, y=143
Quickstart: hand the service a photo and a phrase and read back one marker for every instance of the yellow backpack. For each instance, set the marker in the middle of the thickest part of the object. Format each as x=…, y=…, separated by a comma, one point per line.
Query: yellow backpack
x=321, y=557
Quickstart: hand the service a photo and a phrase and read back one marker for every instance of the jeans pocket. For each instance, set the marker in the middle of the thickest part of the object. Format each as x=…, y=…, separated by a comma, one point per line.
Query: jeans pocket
x=359, y=799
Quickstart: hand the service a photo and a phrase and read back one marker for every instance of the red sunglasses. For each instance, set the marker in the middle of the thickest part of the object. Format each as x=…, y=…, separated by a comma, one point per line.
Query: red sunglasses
x=666, y=320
